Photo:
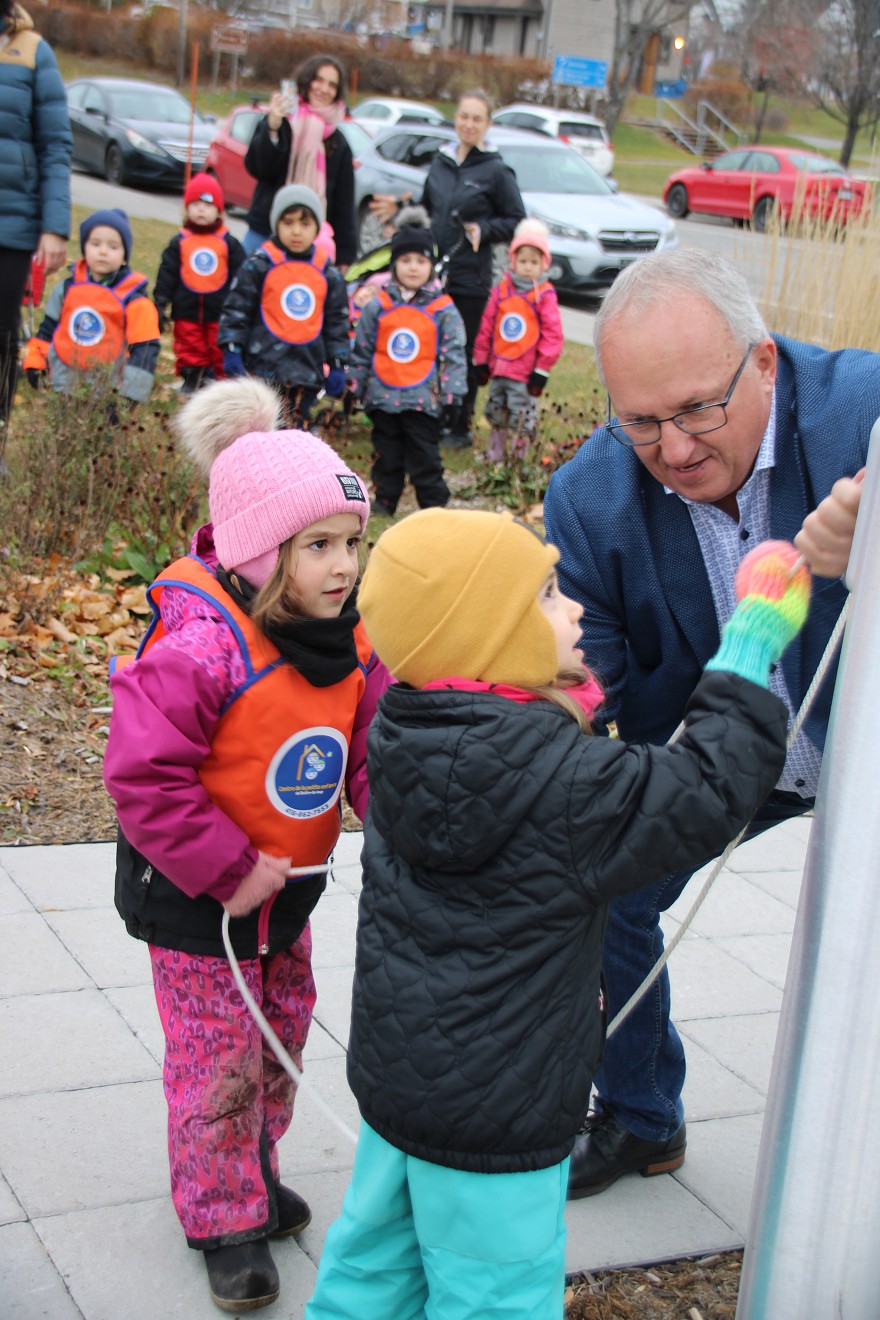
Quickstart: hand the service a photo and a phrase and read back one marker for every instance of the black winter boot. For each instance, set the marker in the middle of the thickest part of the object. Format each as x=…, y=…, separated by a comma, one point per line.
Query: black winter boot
x=242, y=1277
x=293, y=1212
x=193, y=379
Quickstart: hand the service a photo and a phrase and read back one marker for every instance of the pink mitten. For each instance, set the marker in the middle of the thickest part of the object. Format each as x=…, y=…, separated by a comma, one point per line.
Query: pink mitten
x=267, y=877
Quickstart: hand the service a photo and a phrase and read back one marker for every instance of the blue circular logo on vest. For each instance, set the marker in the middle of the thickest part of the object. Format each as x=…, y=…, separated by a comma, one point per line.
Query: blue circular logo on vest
x=403, y=346
x=87, y=327
x=204, y=261
x=513, y=327
x=305, y=775
x=297, y=302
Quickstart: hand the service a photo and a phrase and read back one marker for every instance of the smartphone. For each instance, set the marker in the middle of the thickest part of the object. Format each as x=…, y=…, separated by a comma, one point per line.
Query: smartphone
x=288, y=91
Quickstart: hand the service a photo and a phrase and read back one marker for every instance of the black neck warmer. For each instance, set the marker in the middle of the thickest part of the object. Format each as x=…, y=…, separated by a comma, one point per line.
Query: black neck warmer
x=322, y=650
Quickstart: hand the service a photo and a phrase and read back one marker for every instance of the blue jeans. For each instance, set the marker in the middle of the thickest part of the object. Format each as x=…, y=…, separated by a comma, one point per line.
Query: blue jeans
x=643, y=1068
x=252, y=240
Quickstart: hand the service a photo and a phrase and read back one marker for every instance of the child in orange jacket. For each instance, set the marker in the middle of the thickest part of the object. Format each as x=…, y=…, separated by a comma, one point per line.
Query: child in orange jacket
x=99, y=317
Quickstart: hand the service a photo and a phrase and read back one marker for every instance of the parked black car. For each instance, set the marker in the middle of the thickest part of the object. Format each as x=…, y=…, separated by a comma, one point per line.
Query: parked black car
x=135, y=132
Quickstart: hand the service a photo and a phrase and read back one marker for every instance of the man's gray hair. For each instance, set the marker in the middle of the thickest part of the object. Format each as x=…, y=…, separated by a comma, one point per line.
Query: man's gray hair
x=663, y=277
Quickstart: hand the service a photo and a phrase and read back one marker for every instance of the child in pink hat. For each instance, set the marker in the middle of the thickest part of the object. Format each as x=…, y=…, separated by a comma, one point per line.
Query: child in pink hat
x=233, y=734
x=519, y=340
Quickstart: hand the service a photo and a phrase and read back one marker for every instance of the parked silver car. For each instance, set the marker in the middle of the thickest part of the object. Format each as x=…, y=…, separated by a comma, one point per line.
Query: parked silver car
x=381, y=112
x=585, y=133
x=595, y=231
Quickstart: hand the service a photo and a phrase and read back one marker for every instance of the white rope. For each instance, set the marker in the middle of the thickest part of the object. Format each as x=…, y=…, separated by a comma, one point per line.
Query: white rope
x=809, y=697
x=287, y=1063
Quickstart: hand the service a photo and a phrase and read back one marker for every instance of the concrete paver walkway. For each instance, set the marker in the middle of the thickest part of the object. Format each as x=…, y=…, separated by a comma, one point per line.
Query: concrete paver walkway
x=86, y=1224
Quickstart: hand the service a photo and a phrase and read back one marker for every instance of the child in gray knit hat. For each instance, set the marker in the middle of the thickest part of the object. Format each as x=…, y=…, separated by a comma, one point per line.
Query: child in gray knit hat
x=286, y=316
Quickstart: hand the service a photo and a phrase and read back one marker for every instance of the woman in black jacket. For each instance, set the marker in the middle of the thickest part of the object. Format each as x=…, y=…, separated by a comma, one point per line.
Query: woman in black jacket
x=310, y=150
x=474, y=202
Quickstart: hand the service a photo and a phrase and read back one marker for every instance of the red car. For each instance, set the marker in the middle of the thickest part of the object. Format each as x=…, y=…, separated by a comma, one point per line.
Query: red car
x=747, y=183
x=227, y=152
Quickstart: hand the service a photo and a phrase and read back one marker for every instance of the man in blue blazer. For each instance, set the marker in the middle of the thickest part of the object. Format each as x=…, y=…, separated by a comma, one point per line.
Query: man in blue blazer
x=723, y=436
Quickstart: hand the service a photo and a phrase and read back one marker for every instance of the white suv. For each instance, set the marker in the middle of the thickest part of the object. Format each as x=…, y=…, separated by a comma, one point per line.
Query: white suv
x=583, y=132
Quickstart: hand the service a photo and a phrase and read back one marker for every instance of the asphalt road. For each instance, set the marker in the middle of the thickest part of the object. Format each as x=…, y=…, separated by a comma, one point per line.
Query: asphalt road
x=578, y=313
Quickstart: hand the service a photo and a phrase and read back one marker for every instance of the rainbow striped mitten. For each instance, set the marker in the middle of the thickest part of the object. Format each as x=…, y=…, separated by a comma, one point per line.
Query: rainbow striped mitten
x=773, y=604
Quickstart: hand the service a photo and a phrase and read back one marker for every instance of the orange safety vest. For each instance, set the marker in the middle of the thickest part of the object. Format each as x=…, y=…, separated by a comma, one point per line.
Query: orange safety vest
x=517, y=328
x=293, y=297
x=406, y=341
x=91, y=328
x=204, y=260
x=278, y=755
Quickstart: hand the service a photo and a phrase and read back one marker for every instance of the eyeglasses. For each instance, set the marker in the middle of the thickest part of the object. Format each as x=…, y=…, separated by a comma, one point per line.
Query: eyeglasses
x=693, y=421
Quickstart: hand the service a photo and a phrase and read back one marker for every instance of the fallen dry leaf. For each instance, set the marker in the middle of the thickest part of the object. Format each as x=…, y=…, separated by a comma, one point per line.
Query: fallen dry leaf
x=135, y=599
x=57, y=628
x=95, y=608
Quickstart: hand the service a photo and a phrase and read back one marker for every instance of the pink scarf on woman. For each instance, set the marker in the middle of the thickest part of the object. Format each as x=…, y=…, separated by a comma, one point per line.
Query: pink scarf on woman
x=311, y=127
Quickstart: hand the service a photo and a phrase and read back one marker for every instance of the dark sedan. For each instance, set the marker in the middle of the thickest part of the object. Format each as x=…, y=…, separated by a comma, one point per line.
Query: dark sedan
x=135, y=132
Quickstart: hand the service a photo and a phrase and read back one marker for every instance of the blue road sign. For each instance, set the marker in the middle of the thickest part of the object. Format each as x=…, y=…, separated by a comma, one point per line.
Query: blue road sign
x=573, y=71
x=670, y=90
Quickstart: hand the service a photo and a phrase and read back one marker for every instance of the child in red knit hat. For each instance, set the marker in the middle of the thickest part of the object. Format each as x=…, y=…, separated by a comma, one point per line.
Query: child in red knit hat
x=519, y=340
x=198, y=266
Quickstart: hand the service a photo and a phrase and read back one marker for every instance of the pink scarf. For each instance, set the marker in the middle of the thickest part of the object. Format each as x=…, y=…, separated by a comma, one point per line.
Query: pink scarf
x=311, y=127
x=588, y=695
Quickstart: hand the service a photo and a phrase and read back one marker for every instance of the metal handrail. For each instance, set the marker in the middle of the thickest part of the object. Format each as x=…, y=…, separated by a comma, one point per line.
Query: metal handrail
x=700, y=131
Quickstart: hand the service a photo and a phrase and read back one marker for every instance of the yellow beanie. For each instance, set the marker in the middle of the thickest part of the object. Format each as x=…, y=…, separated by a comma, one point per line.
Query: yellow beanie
x=453, y=593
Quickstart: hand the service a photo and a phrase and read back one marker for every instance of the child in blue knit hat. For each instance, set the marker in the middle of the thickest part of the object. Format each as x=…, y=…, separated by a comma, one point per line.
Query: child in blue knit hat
x=98, y=319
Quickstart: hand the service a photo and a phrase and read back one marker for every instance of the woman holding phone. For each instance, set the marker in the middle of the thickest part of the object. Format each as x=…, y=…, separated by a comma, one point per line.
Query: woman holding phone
x=308, y=148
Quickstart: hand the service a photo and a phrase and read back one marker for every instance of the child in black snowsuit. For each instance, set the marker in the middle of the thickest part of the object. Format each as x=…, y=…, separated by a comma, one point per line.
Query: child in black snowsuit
x=197, y=269
x=497, y=834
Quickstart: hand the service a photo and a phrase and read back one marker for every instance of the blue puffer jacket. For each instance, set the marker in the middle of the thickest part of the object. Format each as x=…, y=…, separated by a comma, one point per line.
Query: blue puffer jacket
x=35, y=141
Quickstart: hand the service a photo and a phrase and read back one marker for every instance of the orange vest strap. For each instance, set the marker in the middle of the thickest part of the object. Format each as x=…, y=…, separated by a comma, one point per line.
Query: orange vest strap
x=141, y=321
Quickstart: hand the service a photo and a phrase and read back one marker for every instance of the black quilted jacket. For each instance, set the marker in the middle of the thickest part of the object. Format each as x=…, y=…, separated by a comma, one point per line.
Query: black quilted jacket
x=496, y=835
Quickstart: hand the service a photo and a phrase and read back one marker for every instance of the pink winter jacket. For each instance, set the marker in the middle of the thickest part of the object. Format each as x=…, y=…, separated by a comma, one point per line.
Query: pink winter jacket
x=165, y=710
x=542, y=357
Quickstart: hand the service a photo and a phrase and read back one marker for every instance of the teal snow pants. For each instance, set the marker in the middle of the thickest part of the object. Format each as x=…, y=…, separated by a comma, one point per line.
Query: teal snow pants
x=419, y=1240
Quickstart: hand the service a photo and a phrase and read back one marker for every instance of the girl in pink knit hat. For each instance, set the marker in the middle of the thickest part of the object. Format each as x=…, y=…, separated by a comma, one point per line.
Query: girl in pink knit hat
x=233, y=733
x=519, y=340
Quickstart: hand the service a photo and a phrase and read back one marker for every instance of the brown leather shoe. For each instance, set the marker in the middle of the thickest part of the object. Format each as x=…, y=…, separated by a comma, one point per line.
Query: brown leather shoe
x=605, y=1150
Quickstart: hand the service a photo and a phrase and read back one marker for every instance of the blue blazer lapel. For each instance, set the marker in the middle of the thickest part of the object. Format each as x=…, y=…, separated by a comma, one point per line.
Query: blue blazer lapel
x=681, y=572
x=788, y=509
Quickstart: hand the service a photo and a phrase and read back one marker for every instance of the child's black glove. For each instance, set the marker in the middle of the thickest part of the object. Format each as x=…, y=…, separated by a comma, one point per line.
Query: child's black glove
x=482, y=370
x=35, y=378
x=163, y=320
x=451, y=418
x=536, y=383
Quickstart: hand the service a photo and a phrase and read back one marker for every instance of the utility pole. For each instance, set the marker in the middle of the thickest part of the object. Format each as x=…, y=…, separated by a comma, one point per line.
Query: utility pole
x=446, y=32
x=181, y=41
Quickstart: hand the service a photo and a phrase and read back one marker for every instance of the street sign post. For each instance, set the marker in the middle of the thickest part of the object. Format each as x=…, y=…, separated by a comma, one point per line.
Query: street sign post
x=229, y=39
x=572, y=71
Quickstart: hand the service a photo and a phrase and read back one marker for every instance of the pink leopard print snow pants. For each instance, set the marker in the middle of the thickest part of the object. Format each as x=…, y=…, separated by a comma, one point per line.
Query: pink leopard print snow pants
x=229, y=1100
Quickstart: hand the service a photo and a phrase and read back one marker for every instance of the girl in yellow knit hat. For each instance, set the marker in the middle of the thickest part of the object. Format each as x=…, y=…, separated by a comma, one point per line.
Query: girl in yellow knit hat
x=497, y=834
